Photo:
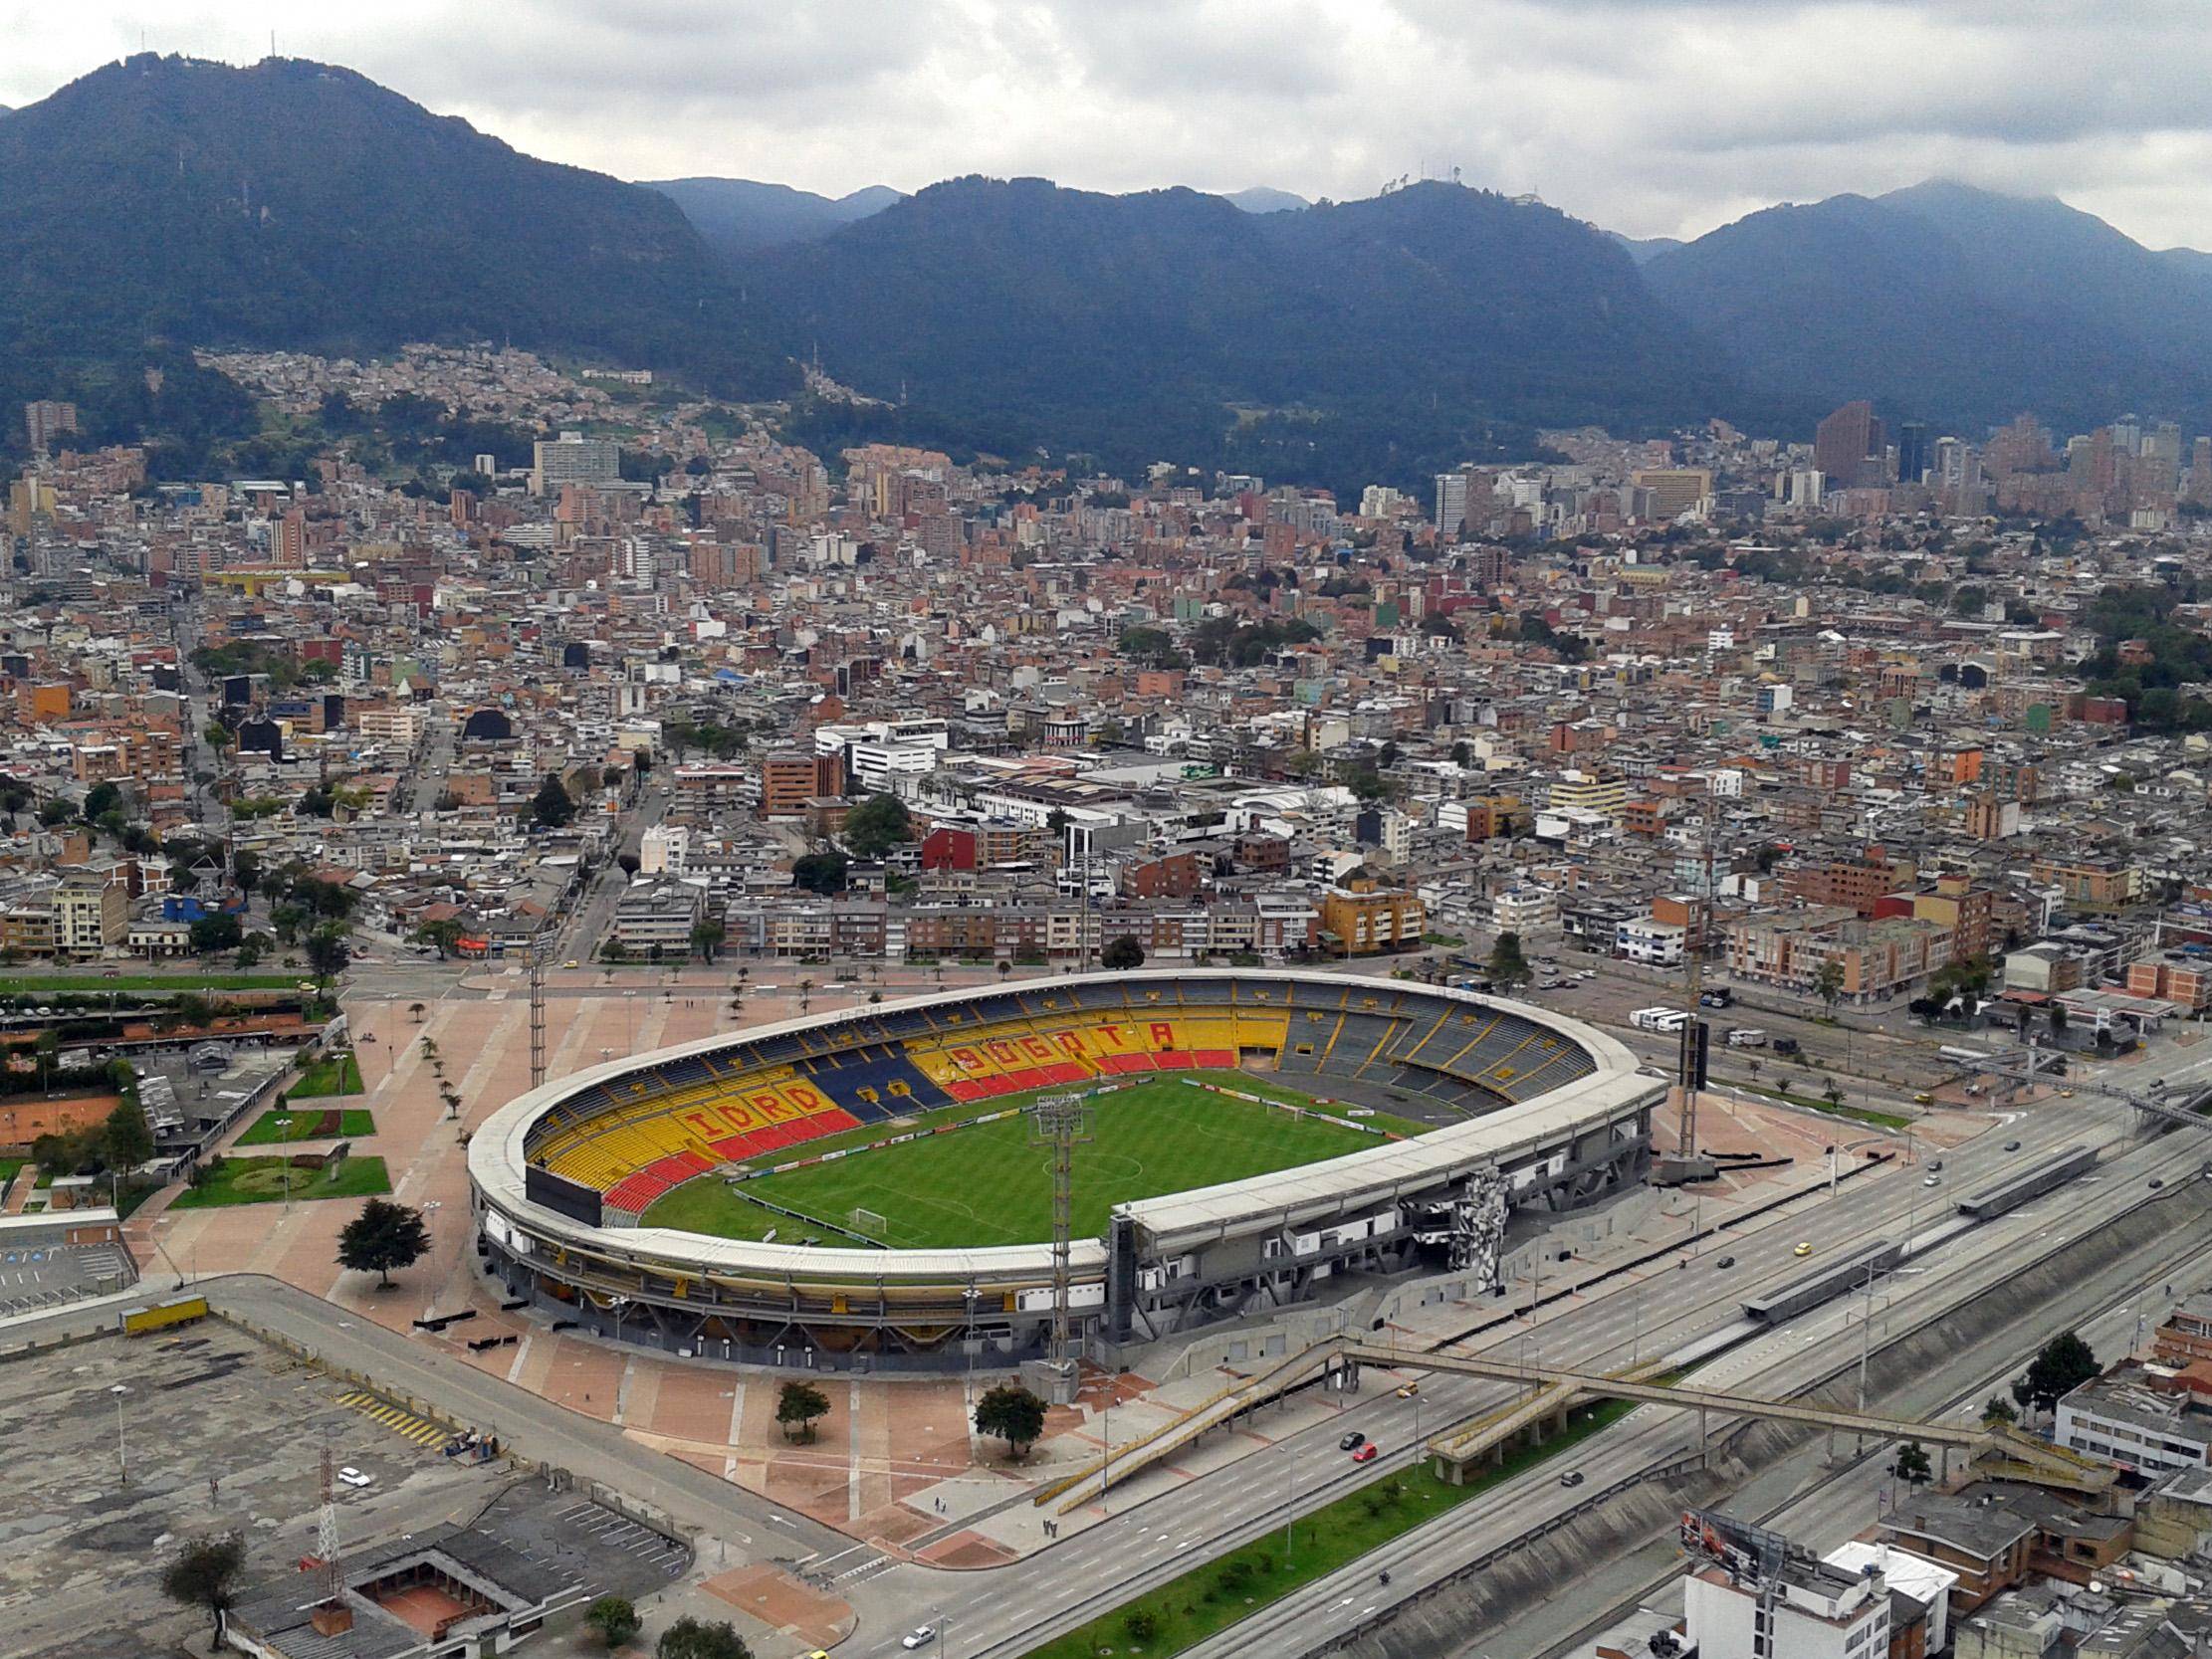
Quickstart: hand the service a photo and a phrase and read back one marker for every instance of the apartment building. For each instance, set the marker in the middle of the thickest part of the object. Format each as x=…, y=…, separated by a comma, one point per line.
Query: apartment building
x=92, y=913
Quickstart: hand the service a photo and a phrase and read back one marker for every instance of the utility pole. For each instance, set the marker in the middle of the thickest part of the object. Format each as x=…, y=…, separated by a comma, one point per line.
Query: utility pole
x=1701, y=915
x=1061, y=1123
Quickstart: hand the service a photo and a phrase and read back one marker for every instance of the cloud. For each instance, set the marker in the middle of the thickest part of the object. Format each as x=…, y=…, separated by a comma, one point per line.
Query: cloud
x=1652, y=116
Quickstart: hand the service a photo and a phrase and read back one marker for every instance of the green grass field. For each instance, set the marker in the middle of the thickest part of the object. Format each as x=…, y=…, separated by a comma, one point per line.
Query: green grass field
x=334, y=1074
x=281, y=1125
x=41, y=984
x=986, y=1185
x=261, y=1181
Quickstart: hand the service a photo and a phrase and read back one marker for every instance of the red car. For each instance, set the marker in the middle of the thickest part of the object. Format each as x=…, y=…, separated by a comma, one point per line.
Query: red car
x=1367, y=1453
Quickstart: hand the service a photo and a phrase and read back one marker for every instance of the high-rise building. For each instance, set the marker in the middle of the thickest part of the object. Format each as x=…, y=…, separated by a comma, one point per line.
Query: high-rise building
x=1451, y=502
x=572, y=458
x=1851, y=447
x=1913, y=451
x=46, y=421
x=1674, y=490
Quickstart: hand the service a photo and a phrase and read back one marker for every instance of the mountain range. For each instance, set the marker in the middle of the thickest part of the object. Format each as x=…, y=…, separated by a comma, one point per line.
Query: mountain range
x=743, y=216
x=165, y=203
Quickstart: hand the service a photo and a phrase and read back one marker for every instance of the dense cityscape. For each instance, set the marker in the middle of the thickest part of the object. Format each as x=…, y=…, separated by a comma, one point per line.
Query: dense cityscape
x=646, y=1015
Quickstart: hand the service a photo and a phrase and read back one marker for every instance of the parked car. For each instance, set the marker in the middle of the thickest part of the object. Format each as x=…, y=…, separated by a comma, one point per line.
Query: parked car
x=354, y=1477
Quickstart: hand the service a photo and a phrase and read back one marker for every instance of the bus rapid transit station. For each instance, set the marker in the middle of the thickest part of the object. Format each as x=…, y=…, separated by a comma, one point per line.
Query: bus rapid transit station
x=1534, y=1111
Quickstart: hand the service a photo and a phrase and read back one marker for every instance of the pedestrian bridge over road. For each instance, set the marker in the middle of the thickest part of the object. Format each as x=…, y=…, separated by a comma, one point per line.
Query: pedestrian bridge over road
x=1554, y=1391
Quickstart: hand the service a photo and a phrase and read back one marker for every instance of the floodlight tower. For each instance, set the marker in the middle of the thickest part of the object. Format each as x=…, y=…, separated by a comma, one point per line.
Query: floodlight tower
x=536, y=960
x=1061, y=1123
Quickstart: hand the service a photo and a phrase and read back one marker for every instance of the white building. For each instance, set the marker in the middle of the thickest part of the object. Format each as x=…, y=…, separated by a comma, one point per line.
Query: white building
x=1907, y=1574
x=1646, y=940
x=2119, y=1419
x=572, y=458
x=1801, y=1609
x=1525, y=910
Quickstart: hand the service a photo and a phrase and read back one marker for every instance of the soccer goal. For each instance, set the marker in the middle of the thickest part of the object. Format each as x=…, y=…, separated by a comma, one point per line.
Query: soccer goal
x=868, y=1223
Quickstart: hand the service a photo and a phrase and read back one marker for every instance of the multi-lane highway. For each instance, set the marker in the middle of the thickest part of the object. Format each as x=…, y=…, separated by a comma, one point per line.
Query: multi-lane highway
x=1163, y=1526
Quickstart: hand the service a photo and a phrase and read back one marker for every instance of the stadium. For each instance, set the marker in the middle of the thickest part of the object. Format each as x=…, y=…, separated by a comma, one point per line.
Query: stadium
x=864, y=1189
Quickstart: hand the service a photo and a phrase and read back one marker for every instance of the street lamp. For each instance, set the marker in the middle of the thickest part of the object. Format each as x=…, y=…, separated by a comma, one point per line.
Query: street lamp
x=123, y=1463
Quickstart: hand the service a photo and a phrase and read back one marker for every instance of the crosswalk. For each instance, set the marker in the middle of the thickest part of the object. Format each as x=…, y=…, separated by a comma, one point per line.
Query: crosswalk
x=405, y=1424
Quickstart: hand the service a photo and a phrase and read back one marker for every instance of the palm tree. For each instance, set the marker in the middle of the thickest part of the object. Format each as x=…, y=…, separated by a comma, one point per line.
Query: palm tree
x=805, y=994
x=416, y=1009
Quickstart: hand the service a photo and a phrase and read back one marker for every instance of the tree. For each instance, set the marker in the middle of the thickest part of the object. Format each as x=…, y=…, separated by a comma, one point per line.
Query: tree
x=2062, y=1365
x=1122, y=954
x=99, y=800
x=245, y=871
x=876, y=825
x=383, y=1237
x=1508, y=967
x=706, y=938
x=1997, y=1409
x=2058, y=1018
x=205, y=1575
x=691, y=1638
x=416, y=1009
x=126, y=1140
x=1827, y=982
x=614, y=1619
x=551, y=806
x=801, y=1403
x=216, y=930
x=1912, y=1465
x=444, y=935
x=218, y=735
x=1013, y=1414
x=823, y=873
x=1139, y=1625
x=327, y=953
x=805, y=995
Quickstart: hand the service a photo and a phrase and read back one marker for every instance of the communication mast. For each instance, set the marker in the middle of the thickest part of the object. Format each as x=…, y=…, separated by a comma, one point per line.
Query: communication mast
x=332, y=1616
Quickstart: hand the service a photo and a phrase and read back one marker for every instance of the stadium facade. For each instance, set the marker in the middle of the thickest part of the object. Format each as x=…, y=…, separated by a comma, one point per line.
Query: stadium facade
x=1537, y=1111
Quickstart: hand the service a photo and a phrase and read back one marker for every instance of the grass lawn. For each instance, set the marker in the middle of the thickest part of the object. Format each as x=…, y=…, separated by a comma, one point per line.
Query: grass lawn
x=1820, y=1102
x=334, y=1074
x=986, y=1185
x=261, y=1181
x=280, y=1124
x=39, y=984
x=1212, y=1597
x=8, y=1168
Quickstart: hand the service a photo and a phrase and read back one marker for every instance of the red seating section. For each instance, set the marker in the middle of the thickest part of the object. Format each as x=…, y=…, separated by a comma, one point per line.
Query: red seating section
x=633, y=1192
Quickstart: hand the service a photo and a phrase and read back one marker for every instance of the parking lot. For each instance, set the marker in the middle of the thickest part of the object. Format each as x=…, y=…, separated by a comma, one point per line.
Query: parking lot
x=117, y=1450
x=33, y=1276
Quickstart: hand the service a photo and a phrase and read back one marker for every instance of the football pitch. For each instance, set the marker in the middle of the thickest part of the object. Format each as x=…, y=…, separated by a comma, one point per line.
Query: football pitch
x=986, y=1185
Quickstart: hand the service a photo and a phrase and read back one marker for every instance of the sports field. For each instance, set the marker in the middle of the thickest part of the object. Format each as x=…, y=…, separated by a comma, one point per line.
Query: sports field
x=986, y=1185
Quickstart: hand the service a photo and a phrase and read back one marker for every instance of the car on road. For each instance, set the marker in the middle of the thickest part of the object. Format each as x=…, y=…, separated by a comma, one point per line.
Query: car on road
x=1804, y=1248
x=2066, y=1094
x=1352, y=1442
x=921, y=1637
x=1572, y=1477
x=2157, y=1181
x=571, y=962
x=354, y=1477
x=1726, y=1261
x=1933, y=1180
x=2011, y=1145
x=1407, y=1391
x=1367, y=1453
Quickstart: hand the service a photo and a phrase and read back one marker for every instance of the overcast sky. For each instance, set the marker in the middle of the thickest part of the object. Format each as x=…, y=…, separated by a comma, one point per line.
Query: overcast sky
x=1651, y=117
